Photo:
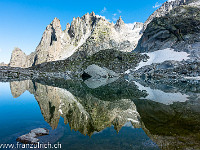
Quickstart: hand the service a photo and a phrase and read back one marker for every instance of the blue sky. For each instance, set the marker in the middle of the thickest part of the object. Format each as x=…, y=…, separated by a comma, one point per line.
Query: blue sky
x=22, y=22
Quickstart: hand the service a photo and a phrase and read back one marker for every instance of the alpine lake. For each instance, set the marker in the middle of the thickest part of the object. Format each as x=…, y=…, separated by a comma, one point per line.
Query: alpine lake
x=119, y=114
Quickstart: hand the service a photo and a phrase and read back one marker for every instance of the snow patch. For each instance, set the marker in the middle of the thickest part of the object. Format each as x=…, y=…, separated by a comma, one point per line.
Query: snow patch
x=128, y=32
x=132, y=111
x=62, y=35
x=130, y=25
x=128, y=71
x=162, y=97
x=60, y=106
x=60, y=110
x=171, y=0
x=193, y=78
x=195, y=4
x=163, y=55
x=134, y=121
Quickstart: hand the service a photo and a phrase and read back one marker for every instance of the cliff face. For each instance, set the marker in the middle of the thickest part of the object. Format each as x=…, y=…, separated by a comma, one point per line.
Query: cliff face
x=179, y=29
x=90, y=33
x=166, y=8
x=176, y=32
x=18, y=58
x=50, y=44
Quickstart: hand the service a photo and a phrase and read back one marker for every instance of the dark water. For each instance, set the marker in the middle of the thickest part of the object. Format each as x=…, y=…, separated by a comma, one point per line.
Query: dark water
x=120, y=114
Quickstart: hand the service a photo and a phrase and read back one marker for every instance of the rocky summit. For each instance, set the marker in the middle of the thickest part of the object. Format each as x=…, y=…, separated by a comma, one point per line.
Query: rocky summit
x=167, y=7
x=93, y=84
x=179, y=29
x=90, y=33
x=167, y=45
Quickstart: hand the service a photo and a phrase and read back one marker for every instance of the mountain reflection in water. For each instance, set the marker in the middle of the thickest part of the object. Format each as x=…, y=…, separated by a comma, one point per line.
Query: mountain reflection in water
x=171, y=119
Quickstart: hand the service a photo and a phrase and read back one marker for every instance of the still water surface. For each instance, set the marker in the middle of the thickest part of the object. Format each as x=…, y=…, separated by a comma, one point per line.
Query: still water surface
x=123, y=114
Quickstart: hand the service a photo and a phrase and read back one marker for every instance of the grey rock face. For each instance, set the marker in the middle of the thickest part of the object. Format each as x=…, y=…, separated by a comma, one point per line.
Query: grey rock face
x=178, y=29
x=166, y=8
x=90, y=33
x=99, y=76
x=97, y=72
x=138, y=25
x=31, y=137
x=50, y=44
x=18, y=58
x=119, y=24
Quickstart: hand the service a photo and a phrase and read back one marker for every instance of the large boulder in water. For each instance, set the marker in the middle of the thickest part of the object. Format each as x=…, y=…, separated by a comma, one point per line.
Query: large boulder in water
x=31, y=137
x=97, y=72
x=96, y=76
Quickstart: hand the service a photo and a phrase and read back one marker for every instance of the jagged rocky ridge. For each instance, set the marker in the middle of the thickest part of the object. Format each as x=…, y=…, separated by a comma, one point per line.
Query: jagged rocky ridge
x=114, y=60
x=179, y=29
x=175, y=26
x=80, y=106
x=90, y=34
x=166, y=8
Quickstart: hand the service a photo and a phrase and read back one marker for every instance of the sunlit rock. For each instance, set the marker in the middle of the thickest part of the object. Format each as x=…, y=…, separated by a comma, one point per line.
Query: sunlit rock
x=31, y=137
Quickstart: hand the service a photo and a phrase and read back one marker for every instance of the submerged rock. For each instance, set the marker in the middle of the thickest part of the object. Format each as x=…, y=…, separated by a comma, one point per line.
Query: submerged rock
x=31, y=137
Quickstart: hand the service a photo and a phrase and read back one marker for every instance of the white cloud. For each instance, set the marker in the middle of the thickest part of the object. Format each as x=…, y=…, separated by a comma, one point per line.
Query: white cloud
x=157, y=5
x=104, y=10
x=119, y=11
x=114, y=14
x=99, y=16
x=114, y=19
x=0, y=50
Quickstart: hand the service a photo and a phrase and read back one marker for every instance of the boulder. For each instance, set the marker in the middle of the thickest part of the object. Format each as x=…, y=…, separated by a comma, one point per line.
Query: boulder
x=31, y=137
x=96, y=76
x=97, y=72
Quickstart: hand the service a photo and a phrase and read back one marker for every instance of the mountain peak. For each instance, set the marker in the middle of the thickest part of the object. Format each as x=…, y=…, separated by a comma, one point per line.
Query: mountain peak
x=92, y=13
x=56, y=23
x=67, y=26
x=119, y=24
x=16, y=49
x=56, y=19
x=18, y=58
x=90, y=29
x=167, y=7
